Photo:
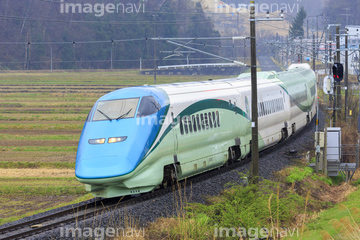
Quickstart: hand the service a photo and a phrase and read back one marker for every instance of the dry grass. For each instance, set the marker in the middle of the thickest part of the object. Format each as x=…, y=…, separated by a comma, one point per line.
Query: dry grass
x=320, y=191
x=37, y=172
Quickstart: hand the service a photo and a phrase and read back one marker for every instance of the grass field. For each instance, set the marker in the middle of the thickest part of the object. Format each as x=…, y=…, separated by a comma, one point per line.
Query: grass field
x=41, y=118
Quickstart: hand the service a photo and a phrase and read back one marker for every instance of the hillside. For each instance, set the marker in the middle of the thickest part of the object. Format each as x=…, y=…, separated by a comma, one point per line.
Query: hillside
x=71, y=35
x=229, y=23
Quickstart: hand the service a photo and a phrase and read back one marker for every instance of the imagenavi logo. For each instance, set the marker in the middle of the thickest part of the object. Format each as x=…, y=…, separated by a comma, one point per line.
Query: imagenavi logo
x=99, y=9
x=286, y=7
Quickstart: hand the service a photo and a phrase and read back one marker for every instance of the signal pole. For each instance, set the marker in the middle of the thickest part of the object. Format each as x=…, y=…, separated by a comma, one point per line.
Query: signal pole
x=254, y=107
x=346, y=74
x=338, y=88
x=334, y=98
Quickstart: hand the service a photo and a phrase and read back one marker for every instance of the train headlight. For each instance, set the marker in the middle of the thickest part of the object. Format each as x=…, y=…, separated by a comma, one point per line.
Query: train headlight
x=116, y=139
x=97, y=141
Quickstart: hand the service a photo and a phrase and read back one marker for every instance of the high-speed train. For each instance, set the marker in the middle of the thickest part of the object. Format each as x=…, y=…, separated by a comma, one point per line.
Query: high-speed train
x=137, y=139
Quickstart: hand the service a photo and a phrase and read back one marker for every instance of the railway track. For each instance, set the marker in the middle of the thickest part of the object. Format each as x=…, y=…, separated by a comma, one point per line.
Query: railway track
x=85, y=211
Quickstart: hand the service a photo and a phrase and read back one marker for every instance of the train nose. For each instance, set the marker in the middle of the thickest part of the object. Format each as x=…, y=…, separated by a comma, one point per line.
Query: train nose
x=103, y=167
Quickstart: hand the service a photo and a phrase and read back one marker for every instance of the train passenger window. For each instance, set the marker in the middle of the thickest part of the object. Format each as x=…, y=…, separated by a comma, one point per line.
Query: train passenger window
x=198, y=122
x=272, y=106
x=218, y=118
x=269, y=107
x=279, y=101
x=148, y=106
x=210, y=121
x=189, y=122
x=280, y=104
x=214, y=119
x=185, y=123
x=194, y=123
x=116, y=109
x=266, y=108
x=202, y=121
x=181, y=127
x=206, y=121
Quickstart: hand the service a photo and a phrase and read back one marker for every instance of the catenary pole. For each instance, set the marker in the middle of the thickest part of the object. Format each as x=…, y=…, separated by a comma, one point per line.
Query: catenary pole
x=254, y=108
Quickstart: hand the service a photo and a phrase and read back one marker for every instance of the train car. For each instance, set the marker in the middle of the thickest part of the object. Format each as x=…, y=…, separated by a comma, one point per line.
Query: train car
x=137, y=139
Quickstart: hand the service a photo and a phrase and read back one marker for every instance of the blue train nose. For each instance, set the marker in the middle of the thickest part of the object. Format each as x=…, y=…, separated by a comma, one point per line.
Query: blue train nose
x=105, y=150
x=119, y=131
x=104, y=167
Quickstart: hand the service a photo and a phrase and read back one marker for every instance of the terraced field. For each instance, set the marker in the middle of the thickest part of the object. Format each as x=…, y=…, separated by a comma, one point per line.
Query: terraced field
x=41, y=118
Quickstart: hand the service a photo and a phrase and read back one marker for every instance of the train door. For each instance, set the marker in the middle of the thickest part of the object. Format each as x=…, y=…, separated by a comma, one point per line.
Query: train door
x=235, y=104
x=175, y=136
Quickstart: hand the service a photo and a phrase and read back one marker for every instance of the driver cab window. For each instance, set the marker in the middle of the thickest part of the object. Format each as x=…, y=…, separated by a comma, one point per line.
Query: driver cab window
x=148, y=106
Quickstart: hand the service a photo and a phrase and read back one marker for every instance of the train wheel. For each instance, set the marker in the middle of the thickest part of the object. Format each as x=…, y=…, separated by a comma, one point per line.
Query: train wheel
x=169, y=176
x=293, y=128
x=284, y=134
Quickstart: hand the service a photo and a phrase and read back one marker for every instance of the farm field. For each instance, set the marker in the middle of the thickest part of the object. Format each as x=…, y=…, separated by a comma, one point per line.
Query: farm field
x=41, y=118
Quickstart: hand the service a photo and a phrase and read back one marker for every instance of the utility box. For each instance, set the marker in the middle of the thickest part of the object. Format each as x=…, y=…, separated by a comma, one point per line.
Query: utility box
x=334, y=144
x=333, y=148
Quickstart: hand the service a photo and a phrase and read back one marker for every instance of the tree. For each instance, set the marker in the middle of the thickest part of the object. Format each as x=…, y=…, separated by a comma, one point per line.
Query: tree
x=297, y=29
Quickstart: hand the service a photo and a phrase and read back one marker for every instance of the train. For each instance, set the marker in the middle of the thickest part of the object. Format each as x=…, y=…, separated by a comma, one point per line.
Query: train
x=137, y=139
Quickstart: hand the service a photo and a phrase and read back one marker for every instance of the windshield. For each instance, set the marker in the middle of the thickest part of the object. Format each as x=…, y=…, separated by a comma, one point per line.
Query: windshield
x=116, y=109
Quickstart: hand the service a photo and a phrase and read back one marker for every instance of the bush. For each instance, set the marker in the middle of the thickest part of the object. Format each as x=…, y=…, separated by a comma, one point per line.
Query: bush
x=298, y=174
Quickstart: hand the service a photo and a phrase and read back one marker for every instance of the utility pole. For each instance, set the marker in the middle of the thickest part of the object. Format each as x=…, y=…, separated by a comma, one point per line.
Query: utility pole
x=313, y=54
x=51, y=60
x=301, y=50
x=330, y=54
x=287, y=53
x=112, y=46
x=326, y=56
x=317, y=29
x=244, y=51
x=155, y=65
x=237, y=20
x=338, y=86
x=346, y=74
x=254, y=107
x=307, y=28
x=347, y=15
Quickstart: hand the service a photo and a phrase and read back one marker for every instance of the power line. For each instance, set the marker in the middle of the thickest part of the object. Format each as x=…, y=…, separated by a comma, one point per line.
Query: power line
x=102, y=22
